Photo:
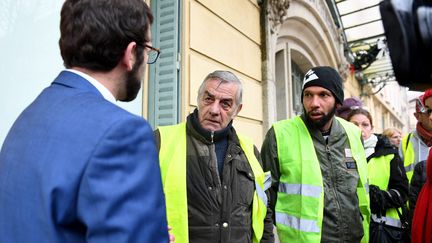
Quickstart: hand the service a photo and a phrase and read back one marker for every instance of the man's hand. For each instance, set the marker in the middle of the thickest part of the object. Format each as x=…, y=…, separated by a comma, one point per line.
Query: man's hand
x=171, y=236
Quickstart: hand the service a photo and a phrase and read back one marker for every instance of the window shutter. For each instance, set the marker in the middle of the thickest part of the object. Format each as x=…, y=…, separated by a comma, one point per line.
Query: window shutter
x=164, y=84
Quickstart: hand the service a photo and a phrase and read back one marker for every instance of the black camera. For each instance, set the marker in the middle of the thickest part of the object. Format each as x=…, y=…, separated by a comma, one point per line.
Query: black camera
x=408, y=28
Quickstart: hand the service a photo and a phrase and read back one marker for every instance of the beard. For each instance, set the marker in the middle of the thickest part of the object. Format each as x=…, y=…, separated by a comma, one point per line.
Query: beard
x=321, y=122
x=133, y=83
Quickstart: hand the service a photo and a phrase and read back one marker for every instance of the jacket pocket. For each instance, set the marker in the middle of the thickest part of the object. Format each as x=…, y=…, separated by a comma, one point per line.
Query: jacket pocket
x=245, y=181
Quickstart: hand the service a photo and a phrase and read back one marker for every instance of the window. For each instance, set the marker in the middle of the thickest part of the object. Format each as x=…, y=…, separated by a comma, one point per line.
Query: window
x=164, y=75
x=297, y=81
x=288, y=81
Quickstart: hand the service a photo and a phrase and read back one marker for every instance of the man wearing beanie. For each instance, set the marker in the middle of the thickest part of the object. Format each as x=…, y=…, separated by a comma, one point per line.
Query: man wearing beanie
x=415, y=147
x=319, y=190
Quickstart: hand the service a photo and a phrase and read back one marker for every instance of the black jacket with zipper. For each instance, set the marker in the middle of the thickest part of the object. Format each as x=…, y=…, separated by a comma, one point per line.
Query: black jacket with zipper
x=219, y=206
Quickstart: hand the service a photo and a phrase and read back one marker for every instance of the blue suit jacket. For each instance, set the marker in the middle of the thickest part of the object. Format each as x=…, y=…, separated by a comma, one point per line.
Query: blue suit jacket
x=77, y=168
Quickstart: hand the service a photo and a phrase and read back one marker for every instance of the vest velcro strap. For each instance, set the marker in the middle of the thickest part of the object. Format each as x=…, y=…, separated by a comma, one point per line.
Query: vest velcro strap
x=388, y=221
x=300, y=189
x=305, y=225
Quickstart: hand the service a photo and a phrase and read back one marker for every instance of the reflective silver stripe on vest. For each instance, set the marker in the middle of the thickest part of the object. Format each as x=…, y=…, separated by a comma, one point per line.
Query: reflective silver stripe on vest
x=409, y=167
x=305, y=225
x=366, y=187
x=388, y=221
x=300, y=189
x=267, y=181
x=421, y=151
x=261, y=194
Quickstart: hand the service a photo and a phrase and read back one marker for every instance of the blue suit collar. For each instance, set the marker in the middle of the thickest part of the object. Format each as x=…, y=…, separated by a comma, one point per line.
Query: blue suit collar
x=73, y=80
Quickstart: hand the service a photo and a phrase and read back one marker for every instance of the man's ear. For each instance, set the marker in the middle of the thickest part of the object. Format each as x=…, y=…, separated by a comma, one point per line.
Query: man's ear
x=239, y=109
x=416, y=115
x=129, y=57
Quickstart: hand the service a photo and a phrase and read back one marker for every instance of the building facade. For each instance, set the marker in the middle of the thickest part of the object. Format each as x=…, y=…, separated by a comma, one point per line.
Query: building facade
x=299, y=35
x=197, y=37
x=268, y=44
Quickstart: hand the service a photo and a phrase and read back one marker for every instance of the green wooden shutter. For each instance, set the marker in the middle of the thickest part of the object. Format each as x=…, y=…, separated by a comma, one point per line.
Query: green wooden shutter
x=164, y=83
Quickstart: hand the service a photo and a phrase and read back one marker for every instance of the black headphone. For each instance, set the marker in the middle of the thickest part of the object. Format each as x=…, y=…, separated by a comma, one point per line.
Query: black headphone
x=408, y=28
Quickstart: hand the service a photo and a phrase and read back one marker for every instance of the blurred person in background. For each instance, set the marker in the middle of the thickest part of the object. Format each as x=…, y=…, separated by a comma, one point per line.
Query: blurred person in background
x=415, y=145
x=394, y=135
x=418, y=148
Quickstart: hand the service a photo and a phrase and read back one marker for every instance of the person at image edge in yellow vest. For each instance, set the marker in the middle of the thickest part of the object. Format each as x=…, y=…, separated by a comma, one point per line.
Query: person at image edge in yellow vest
x=415, y=152
x=319, y=191
x=388, y=183
x=212, y=177
x=415, y=145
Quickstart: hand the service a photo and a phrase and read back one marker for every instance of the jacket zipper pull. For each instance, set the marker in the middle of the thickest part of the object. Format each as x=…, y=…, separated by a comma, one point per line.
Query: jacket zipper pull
x=212, y=135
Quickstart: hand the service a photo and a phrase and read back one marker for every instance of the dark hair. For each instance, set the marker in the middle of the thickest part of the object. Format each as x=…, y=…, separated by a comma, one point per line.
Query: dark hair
x=95, y=33
x=360, y=111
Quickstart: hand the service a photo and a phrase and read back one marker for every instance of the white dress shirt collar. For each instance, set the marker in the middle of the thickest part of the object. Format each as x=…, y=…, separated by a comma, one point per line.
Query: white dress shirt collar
x=100, y=87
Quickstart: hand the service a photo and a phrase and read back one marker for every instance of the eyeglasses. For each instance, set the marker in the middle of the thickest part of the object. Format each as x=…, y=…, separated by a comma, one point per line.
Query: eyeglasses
x=152, y=53
x=422, y=109
x=427, y=112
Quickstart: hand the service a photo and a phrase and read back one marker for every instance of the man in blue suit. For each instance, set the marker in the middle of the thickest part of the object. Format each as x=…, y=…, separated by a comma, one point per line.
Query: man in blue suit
x=75, y=167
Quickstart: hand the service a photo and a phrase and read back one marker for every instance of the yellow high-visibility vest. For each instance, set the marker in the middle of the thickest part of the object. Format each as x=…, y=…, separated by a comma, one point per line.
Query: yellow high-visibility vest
x=172, y=157
x=300, y=203
x=408, y=156
x=379, y=175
